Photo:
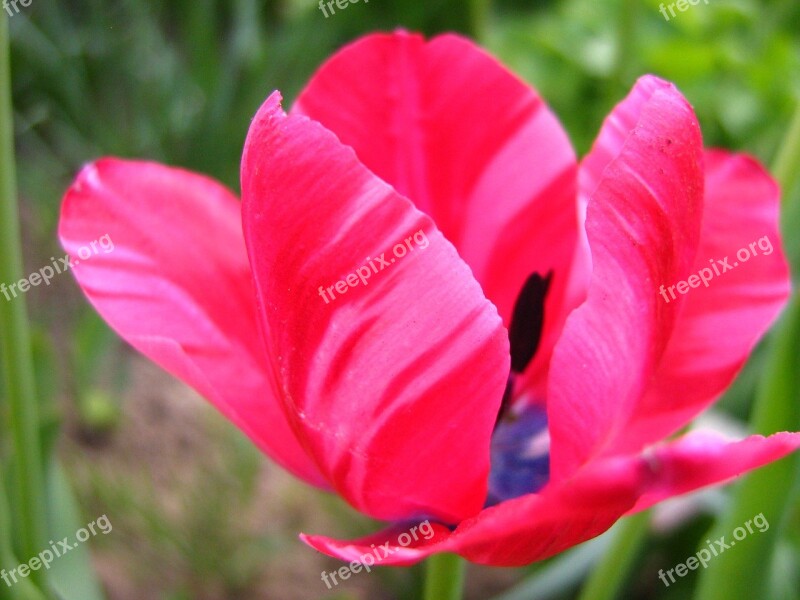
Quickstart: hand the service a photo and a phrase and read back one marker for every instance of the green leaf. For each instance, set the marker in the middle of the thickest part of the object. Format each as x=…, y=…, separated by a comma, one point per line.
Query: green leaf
x=611, y=574
x=71, y=575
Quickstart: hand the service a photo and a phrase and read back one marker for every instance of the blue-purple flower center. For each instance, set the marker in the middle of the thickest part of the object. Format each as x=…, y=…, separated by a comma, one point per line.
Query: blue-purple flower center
x=520, y=449
x=520, y=455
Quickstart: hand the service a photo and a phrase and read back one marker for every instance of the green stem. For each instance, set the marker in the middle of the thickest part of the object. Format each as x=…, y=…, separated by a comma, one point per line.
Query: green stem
x=7, y=561
x=608, y=578
x=22, y=589
x=15, y=347
x=444, y=577
x=787, y=162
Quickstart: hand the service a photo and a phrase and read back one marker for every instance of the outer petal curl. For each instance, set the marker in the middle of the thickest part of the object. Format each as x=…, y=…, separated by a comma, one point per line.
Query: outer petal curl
x=720, y=322
x=404, y=353
x=643, y=226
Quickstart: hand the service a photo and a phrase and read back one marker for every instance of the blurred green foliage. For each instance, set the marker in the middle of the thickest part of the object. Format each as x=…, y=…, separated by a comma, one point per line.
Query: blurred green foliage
x=178, y=81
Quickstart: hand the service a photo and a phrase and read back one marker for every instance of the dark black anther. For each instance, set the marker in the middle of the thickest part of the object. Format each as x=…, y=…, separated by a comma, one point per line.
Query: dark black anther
x=506, y=403
x=528, y=320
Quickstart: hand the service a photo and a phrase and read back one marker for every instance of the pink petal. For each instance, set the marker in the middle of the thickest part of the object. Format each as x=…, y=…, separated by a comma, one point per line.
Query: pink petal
x=537, y=526
x=520, y=531
x=472, y=146
x=643, y=225
x=700, y=459
x=177, y=287
x=412, y=359
x=401, y=550
x=720, y=323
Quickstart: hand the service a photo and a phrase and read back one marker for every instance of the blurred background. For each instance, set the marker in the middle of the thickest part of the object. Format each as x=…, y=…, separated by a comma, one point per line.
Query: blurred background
x=197, y=512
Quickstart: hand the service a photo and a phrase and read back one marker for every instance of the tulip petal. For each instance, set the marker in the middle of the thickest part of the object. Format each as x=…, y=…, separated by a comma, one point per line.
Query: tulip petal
x=177, y=287
x=720, y=322
x=520, y=531
x=537, y=526
x=400, y=551
x=472, y=146
x=372, y=369
x=701, y=458
x=643, y=225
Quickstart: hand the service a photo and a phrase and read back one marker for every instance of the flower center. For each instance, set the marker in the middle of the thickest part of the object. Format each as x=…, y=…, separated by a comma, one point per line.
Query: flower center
x=520, y=455
x=520, y=449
